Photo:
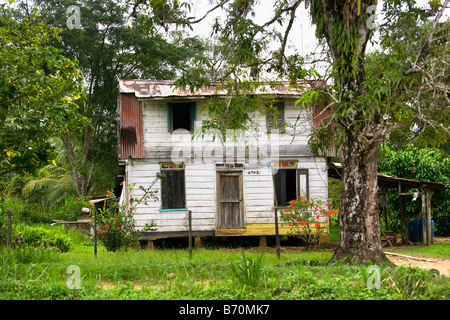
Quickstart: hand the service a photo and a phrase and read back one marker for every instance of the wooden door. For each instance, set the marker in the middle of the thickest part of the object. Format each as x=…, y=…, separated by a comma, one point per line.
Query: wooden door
x=230, y=200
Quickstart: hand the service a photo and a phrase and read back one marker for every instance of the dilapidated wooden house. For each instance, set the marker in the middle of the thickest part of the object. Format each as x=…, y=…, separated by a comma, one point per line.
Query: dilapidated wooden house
x=231, y=189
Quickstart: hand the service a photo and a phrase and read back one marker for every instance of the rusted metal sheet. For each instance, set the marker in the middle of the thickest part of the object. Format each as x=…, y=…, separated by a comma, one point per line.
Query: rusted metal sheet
x=131, y=133
x=165, y=88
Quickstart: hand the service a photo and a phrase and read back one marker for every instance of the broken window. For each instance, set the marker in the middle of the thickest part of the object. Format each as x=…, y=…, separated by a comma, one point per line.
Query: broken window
x=181, y=116
x=173, y=195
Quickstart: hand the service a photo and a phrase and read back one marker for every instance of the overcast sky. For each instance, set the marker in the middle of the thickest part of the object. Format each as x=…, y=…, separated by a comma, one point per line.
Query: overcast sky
x=302, y=34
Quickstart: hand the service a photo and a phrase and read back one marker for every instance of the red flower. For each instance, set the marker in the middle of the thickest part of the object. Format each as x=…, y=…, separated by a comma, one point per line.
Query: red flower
x=304, y=200
x=285, y=210
x=318, y=216
x=315, y=208
x=300, y=223
x=317, y=225
x=122, y=235
x=77, y=198
x=327, y=204
x=306, y=222
x=337, y=211
x=107, y=226
x=108, y=193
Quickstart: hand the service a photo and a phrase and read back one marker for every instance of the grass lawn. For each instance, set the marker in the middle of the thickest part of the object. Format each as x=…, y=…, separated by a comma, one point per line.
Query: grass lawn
x=439, y=250
x=211, y=274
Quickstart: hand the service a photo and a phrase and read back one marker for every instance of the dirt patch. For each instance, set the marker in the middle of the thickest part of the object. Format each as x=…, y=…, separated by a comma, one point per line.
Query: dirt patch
x=442, y=265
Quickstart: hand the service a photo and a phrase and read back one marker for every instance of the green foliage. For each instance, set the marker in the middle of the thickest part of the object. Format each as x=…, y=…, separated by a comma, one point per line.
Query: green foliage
x=39, y=91
x=40, y=236
x=110, y=46
x=52, y=184
x=171, y=275
x=302, y=216
x=419, y=164
x=115, y=222
x=71, y=210
x=25, y=211
x=25, y=254
x=248, y=272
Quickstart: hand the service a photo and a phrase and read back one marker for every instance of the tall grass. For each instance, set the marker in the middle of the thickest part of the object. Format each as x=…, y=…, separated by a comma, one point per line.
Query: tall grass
x=41, y=273
x=248, y=271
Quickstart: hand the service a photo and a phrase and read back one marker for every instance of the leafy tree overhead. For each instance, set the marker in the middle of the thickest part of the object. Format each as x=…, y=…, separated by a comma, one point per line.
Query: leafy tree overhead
x=109, y=46
x=39, y=91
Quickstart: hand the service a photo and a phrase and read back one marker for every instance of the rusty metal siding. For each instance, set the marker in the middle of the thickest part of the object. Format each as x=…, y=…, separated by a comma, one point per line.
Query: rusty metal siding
x=131, y=127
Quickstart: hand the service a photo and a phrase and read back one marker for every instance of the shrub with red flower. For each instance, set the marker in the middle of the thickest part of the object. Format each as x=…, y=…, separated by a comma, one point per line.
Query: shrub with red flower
x=115, y=221
x=304, y=217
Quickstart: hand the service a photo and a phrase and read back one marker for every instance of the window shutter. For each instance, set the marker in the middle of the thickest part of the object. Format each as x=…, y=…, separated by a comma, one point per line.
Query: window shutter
x=170, y=116
x=193, y=113
x=280, y=117
x=173, y=195
x=280, y=187
x=303, y=182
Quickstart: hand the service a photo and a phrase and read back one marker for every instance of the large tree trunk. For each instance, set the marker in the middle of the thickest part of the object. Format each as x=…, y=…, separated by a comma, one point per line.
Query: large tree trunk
x=359, y=218
x=344, y=26
x=81, y=172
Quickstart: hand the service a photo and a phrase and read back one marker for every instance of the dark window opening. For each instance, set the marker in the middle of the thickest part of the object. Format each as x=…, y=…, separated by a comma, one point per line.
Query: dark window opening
x=173, y=195
x=289, y=184
x=181, y=116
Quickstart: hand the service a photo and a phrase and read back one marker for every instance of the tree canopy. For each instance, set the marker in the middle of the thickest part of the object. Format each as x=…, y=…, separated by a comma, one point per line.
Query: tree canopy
x=109, y=45
x=39, y=91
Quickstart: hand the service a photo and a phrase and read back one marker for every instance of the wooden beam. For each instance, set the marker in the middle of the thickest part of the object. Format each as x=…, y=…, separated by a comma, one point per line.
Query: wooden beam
x=423, y=195
x=403, y=216
x=429, y=195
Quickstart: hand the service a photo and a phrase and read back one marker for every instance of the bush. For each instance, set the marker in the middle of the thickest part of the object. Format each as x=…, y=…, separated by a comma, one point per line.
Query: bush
x=303, y=216
x=71, y=210
x=115, y=223
x=24, y=211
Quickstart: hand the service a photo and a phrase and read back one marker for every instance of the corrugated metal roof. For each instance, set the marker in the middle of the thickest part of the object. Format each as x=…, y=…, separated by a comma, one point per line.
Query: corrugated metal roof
x=165, y=88
x=335, y=171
